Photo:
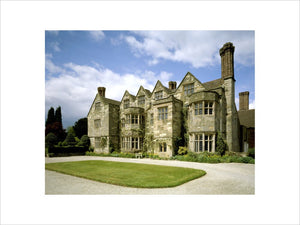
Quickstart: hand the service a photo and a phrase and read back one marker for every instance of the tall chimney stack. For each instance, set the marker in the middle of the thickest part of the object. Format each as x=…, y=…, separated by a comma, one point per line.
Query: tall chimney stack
x=227, y=60
x=172, y=85
x=244, y=100
x=101, y=91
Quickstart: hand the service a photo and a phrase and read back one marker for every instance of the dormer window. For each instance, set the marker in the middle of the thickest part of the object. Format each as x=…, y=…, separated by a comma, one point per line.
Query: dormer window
x=189, y=89
x=141, y=100
x=126, y=103
x=158, y=95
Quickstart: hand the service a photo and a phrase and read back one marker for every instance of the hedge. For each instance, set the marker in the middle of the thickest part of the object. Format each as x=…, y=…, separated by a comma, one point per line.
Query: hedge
x=66, y=150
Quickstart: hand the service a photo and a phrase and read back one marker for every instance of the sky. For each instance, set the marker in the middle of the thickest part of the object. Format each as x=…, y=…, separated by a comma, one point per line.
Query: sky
x=77, y=62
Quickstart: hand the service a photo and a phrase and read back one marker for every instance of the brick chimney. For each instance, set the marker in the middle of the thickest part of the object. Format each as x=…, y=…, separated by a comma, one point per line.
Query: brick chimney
x=101, y=91
x=172, y=85
x=244, y=100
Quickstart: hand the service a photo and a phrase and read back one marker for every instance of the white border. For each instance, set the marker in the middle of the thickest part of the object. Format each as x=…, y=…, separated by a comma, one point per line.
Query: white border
x=276, y=26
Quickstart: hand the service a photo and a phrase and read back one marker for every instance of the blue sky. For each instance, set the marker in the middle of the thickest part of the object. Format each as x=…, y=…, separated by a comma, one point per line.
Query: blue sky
x=77, y=62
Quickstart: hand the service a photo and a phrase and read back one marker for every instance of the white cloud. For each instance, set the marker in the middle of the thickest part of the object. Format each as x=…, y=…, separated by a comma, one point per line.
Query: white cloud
x=75, y=88
x=97, y=35
x=55, y=46
x=252, y=105
x=196, y=48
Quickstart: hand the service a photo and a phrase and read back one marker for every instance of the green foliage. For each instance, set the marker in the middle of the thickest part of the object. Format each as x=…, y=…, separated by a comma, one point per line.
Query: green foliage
x=70, y=139
x=221, y=146
x=182, y=150
x=58, y=115
x=80, y=127
x=84, y=141
x=251, y=152
x=50, y=117
x=54, y=124
x=103, y=142
x=50, y=140
x=67, y=150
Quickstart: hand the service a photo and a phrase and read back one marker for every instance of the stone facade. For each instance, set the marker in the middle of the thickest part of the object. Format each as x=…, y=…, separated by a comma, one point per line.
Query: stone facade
x=159, y=121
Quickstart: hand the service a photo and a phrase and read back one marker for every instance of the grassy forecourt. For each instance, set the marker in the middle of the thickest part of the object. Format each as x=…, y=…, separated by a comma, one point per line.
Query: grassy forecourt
x=127, y=174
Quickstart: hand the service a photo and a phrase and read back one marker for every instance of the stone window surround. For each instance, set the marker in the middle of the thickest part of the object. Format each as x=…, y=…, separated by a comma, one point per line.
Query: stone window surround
x=134, y=119
x=158, y=95
x=126, y=103
x=97, y=106
x=206, y=108
x=163, y=147
x=162, y=113
x=141, y=100
x=97, y=123
x=188, y=88
x=206, y=139
x=132, y=143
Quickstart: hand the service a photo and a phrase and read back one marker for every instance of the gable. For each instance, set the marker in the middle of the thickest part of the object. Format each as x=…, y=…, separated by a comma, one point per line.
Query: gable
x=159, y=87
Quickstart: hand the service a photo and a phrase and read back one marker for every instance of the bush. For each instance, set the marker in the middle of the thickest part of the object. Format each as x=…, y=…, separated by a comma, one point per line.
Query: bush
x=70, y=140
x=50, y=140
x=221, y=145
x=251, y=152
x=67, y=151
x=182, y=150
x=84, y=141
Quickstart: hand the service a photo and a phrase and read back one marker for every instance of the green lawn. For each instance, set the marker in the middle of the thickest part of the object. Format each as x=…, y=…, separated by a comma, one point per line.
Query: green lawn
x=128, y=174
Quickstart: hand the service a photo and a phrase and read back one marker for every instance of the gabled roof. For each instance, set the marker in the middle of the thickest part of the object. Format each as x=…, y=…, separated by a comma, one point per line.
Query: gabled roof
x=213, y=84
x=106, y=100
x=165, y=89
x=247, y=117
x=147, y=92
x=130, y=95
x=188, y=73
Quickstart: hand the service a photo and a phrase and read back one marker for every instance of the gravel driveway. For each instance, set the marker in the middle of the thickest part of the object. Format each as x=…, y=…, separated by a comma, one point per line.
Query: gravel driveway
x=221, y=178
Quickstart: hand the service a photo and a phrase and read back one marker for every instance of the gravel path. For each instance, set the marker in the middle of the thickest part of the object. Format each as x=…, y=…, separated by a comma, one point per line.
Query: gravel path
x=222, y=178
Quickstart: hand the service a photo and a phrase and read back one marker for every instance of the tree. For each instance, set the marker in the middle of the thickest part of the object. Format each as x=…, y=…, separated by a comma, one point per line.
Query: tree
x=50, y=117
x=80, y=127
x=221, y=145
x=58, y=115
x=70, y=139
x=54, y=124
x=50, y=140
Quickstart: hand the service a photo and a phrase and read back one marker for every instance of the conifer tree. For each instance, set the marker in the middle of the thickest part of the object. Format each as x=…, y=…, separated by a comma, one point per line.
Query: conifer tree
x=50, y=117
x=58, y=115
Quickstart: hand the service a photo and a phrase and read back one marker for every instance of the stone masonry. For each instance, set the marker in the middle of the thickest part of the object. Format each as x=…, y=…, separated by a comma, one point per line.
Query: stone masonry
x=160, y=121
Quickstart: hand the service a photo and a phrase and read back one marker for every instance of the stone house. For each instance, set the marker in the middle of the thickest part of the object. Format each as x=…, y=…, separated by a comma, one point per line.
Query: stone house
x=160, y=121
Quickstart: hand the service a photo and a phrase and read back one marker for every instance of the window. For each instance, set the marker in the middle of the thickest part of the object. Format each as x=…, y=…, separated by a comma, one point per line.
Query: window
x=198, y=143
x=163, y=113
x=163, y=147
x=198, y=108
x=134, y=119
x=208, y=143
x=126, y=103
x=141, y=100
x=127, y=121
x=208, y=109
x=151, y=119
x=141, y=119
x=189, y=89
x=158, y=95
x=97, y=123
x=123, y=122
x=134, y=143
x=97, y=105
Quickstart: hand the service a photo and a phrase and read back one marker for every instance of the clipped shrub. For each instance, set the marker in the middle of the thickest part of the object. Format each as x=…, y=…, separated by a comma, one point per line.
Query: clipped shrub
x=50, y=140
x=182, y=150
x=251, y=152
x=70, y=140
x=221, y=145
x=84, y=141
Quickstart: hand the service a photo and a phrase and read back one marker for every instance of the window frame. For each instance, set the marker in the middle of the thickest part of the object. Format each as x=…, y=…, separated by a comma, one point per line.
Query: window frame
x=158, y=95
x=163, y=113
x=189, y=88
